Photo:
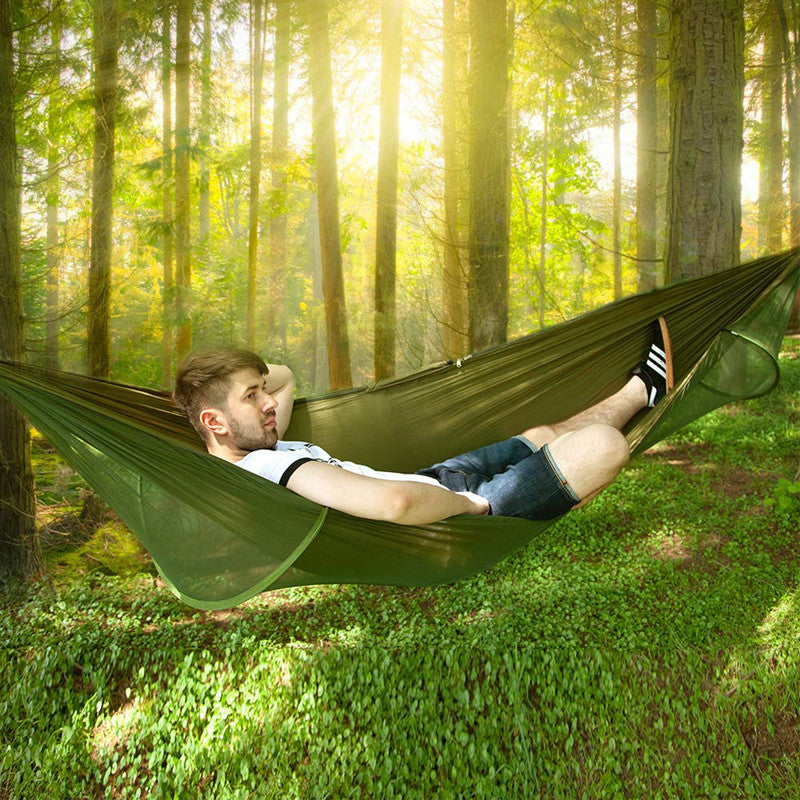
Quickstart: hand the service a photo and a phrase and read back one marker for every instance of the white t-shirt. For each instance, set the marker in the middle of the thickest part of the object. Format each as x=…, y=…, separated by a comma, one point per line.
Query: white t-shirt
x=278, y=464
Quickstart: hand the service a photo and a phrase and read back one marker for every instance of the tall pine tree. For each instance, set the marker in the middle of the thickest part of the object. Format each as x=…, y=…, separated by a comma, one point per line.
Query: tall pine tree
x=18, y=546
x=488, y=174
x=386, y=229
x=105, y=46
x=324, y=137
x=706, y=96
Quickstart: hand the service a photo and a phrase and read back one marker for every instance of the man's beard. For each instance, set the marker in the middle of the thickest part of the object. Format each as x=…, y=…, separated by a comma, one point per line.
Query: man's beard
x=253, y=437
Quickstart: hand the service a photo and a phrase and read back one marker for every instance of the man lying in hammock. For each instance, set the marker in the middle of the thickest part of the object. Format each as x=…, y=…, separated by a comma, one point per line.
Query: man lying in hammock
x=241, y=408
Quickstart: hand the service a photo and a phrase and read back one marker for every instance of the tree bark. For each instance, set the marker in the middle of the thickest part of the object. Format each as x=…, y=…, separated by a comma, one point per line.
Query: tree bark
x=276, y=324
x=454, y=276
x=770, y=217
x=489, y=174
x=183, y=263
x=324, y=139
x=706, y=95
x=386, y=226
x=18, y=544
x=106, y=35
x=257, y=79
x=51, y=354
x=167, y=222
x=647, y=146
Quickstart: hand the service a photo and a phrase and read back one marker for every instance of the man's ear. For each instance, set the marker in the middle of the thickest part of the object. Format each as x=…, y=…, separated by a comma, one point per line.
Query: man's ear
x=214, y=420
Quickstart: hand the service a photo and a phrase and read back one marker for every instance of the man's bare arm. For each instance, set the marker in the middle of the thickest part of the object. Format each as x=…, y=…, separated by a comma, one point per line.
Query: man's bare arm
x=405, y=502
x=280, y=384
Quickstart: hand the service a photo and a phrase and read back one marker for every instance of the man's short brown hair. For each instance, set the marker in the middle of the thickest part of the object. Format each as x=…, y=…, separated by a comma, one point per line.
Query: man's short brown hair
x=202, y=380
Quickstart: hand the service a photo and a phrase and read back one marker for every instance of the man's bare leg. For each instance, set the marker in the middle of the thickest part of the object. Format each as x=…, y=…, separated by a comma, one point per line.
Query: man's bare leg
x=615, y=411
x=590, y=458
x=589, y=449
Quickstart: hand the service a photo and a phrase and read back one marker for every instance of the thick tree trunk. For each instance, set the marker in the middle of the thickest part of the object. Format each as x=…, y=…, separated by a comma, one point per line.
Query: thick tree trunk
x=203, y=138
x=276, y=324
x=706, y=94
x=647, y=147
x=183, y=264
x=18, y=544
x=770, y=216
x=324, y=139
x=51, y=354
x=454, y=276
x=106, y=34
x=256, y=85
x=167, y=237
x=489, y=174
x=386, y=227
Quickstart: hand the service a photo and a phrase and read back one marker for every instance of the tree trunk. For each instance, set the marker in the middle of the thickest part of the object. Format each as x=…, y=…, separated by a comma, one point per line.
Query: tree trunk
x=183, y=264
x=324, y=139
x=203, y=139
x=706, y=95
x=791, y=61
x=454, y=281
x=770, y=207
x=489, y=174
x=256, y=81
x=791, y=58
x=647, y=147
x=51, y=355
x=276, y=324
x=616, y=223
x=167, y=238
x=18, y=543
x=386, y=227
x=106, y=34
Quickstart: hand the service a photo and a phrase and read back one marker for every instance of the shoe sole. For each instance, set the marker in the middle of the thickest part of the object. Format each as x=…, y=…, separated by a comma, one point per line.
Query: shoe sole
x=662, y=324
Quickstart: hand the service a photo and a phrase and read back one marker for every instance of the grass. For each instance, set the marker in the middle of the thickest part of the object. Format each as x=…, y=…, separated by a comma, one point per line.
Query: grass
x=646, y=646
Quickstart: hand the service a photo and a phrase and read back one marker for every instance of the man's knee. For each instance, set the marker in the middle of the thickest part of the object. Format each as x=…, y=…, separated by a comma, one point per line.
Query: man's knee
x=591, y=457
x=612, y=446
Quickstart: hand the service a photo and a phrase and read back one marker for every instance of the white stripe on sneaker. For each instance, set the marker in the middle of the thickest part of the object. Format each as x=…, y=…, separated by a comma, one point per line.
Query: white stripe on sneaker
x=658, y=359
x=657, y=368
x=652, y=400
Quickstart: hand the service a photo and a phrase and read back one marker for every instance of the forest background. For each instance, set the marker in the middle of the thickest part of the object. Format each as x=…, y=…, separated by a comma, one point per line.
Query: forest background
x=358, y=189
x=250, y=264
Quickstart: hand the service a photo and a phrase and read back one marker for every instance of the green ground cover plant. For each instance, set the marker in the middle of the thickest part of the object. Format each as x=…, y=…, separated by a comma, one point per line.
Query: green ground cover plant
x=646, y=646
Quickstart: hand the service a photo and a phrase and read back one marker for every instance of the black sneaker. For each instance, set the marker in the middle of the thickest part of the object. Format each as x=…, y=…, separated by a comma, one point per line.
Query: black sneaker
x=656, y=368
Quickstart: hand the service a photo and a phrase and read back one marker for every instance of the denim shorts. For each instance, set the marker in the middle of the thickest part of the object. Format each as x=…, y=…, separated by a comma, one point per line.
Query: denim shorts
x=516, y=478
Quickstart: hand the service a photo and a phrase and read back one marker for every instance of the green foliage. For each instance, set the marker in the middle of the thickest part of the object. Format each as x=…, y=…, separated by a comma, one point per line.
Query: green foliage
x=647, y=646
x=785, y=499
x=565, y=44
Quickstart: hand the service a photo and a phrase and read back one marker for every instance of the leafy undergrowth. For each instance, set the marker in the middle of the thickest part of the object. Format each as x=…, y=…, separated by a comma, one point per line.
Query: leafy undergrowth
x=646, y=646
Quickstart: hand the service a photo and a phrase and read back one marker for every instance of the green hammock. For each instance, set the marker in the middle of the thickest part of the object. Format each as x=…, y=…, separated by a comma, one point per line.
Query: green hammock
x=219, y=534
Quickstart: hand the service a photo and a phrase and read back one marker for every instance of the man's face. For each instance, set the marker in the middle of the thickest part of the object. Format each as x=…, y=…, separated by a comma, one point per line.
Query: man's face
x=250, y=412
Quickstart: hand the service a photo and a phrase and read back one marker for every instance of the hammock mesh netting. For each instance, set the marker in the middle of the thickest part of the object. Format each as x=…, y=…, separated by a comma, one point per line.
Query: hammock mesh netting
x=219, y=534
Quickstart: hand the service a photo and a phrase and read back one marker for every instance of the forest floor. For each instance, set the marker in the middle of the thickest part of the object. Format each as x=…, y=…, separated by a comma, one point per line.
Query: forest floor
x=645, y=646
